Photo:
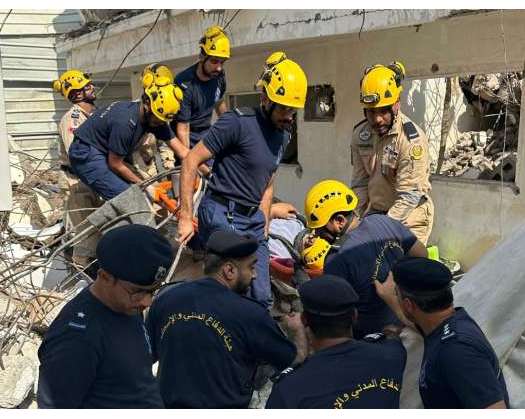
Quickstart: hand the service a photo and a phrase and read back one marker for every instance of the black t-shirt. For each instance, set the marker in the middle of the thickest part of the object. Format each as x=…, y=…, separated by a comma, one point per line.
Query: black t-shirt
x=351, y=375
x=200, y=98
x=209, y=341
x=247, y=149
x=93, y=357
x=117, y=128
x=368, y=254
x=460, y=369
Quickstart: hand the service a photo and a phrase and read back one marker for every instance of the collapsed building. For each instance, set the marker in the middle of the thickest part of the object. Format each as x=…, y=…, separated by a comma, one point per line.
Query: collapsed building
x=469, y=105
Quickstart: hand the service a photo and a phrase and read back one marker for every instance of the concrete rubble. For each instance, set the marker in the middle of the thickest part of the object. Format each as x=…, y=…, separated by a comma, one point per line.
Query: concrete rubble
x=491, y=152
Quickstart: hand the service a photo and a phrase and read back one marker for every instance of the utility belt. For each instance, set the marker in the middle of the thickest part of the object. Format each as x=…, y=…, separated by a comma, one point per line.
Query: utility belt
x=233, y=206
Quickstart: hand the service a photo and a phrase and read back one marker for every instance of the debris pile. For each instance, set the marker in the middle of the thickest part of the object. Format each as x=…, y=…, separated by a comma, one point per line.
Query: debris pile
x=29, y=279
x=491, y=152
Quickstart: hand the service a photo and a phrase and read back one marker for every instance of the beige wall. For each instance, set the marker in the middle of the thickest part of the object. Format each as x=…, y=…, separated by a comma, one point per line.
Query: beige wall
x=470, y=216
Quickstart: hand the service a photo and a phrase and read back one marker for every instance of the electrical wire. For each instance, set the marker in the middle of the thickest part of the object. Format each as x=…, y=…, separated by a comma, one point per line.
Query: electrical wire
x=129, y=52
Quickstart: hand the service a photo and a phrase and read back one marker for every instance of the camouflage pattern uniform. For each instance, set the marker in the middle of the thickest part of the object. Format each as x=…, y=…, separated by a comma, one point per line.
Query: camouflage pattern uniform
x=391, y=174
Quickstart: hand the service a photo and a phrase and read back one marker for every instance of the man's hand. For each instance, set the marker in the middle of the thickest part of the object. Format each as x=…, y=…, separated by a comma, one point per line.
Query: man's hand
x=387, y=289
x=292, y=322
x=296, y=332
x=387, y=292
x=282, y=210
x=185, y=230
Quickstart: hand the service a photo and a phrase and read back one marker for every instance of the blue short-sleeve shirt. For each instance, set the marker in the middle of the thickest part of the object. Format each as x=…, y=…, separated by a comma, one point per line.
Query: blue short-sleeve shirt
x=369, y=253
x=351, y=375
x=209, y=341
x=93, y=357
x=200, y=99
x=247, y=149
x=460, y=369
x=117, y=128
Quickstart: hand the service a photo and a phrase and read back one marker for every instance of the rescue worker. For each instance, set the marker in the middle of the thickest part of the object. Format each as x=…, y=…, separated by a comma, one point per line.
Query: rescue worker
x=365, y=248
x=391, y=164
x=97, y=353
x=247, y=145
x=204, y=85
x=104, y=144
x=209, y=338
x=77, y=87
x=342, y=373
x=459, y=369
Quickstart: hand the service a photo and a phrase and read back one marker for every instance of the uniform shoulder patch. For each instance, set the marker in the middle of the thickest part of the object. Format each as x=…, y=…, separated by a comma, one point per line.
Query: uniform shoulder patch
x=410, y=130
x=244, y=111
x=375, y=337
x=447, y=332
x=416, y=151
x=78, y=322
x=364, y=136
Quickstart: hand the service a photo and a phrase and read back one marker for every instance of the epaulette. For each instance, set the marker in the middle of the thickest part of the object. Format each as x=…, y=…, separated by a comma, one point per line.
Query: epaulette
x=375, y=337
x=360, y=123
x=79, y=322
x=410, y=130
x=280, y=375
x=245, y=111
x=184, y=86
x=447, y=332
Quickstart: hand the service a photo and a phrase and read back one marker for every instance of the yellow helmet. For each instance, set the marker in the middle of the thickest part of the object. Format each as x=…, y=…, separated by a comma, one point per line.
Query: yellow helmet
x=325, y=199
x=381, y=85
x=163, y=95
x=158, y=74
x=314, y=256
x=71, y=80
x=284, y=81
x=215, y=43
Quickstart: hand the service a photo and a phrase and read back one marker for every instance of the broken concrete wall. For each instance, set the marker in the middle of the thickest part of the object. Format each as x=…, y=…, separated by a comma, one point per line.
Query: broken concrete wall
x=477, y=137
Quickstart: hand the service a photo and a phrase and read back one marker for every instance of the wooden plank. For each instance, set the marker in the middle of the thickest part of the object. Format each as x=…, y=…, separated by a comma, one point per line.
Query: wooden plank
x=34, y=116
x=33, y=63
x=38, y=29
x=38, y=53
x=32, y=127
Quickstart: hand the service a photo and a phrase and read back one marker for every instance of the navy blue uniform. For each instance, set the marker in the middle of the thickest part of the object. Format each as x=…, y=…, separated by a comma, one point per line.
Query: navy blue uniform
x=93, y=357
x=209, y=341
x=247, y=149
x=200, y=98
x=368, y=254
x=351, y=375
x=459, y=367
x=116, y=128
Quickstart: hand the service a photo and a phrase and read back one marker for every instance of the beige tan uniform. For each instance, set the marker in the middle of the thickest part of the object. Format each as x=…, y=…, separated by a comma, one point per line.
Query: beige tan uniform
x=78, y=195
x=391, y=174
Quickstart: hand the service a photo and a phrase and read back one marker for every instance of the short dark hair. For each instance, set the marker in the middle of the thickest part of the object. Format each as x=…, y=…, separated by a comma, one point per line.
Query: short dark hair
x=347, y=214
x=213, y=262
x=330, y=326
x=432, y=302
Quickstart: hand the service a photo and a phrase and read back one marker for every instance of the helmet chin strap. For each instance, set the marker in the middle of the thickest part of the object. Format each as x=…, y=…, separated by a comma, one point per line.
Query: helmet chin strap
x=267, y=111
